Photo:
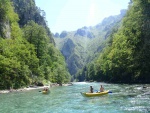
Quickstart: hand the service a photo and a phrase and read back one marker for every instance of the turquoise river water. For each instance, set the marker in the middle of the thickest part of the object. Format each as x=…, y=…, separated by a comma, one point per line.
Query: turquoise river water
x=67, y=99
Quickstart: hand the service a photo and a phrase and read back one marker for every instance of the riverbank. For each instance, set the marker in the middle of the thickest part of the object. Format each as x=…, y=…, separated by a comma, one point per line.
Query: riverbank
x=22, y=89
x=33, y=88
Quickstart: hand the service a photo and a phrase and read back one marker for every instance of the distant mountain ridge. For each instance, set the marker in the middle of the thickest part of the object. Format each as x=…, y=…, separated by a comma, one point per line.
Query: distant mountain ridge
x=82, y=46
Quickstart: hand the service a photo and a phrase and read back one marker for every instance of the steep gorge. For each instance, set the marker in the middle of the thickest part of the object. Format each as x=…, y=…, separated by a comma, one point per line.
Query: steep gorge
x=83, y=45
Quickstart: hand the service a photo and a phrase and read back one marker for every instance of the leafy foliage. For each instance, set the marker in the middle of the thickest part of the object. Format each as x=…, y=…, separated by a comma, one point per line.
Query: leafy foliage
x=126, y=57
x=27, y=55
x=126, y=60
x=49, y=57
x=27, y=11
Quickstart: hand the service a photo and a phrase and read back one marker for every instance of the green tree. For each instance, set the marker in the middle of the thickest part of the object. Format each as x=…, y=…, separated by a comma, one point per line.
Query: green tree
x=50, y=59
x=126, y=60
x=17, y=56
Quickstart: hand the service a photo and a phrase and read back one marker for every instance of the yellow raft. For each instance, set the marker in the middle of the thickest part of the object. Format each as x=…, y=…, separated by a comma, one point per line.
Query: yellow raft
x=94, y=94
x=45, y=92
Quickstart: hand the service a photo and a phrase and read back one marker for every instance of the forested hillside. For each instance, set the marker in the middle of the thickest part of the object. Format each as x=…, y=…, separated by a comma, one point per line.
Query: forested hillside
x=27, y=51
x=116, y=50
x=126, y=59
x=27, y=10
x=83, y=45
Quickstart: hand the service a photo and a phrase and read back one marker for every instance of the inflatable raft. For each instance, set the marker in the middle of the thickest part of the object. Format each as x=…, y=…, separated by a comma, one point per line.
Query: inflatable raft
x=45, y=92
x=94, y=94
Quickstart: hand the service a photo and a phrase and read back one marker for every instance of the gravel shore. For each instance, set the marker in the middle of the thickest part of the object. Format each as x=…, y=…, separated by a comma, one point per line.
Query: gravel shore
x=22, y=89
x=33, y=87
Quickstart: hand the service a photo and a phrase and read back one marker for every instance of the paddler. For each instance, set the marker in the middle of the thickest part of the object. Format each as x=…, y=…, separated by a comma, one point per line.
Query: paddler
x=101, y=89
x=91, y=89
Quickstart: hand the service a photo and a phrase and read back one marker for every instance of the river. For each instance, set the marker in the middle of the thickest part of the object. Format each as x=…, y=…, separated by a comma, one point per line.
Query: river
x=67, y=99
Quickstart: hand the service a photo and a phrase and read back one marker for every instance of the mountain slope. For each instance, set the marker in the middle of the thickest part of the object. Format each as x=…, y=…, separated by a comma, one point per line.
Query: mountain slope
x=27, y=11
x=82, y=46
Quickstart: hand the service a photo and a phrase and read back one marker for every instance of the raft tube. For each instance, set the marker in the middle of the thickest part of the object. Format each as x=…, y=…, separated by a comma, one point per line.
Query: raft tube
x=94, y=94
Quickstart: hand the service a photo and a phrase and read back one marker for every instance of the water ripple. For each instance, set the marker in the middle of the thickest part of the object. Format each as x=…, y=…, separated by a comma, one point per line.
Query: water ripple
x=124, y=99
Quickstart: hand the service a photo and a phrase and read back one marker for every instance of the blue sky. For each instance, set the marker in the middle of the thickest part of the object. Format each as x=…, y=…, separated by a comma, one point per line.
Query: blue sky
x=69, y=15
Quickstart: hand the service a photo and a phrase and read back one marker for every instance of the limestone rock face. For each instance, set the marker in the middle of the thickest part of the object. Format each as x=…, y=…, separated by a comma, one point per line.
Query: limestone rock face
x=63, y=34
x=71, y=59
x=68, y=48
x=56, y=35
x=81, y=46
x=84, y=32
x=5, y=30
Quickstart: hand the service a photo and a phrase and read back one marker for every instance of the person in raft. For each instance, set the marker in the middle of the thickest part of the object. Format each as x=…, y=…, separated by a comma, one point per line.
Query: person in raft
x=45, y=89
x=101, y=89
x=91, y=89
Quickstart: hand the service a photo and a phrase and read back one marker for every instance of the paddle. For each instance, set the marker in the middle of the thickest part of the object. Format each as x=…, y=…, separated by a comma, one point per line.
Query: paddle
x=110, y=92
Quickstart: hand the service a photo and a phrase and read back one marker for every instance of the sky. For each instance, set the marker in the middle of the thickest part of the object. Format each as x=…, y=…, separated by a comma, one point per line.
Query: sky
x=69, y=15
